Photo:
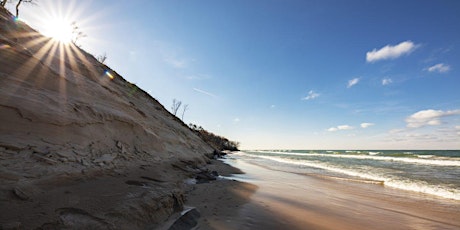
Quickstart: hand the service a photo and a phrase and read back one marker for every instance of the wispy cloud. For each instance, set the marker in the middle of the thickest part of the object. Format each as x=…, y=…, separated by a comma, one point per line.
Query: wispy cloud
x=204, y=92
x=387, y=81
x=366, y=125
x=176, y=63
x=340, y=127
x=352, y=82
x=390, y=52
x=236, y=120
x=428, y=117
x=439, y=68
x=311, y=95
x=198, y=77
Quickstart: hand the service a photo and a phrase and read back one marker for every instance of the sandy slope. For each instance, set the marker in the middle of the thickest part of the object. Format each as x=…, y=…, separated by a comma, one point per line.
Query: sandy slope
x=64, y=121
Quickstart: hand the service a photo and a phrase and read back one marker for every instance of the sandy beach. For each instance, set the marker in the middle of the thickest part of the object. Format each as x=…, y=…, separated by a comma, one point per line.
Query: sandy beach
x=266, y=199
x=82, y=147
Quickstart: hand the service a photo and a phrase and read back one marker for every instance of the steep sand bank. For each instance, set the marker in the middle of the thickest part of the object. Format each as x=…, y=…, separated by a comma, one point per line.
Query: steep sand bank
x=80, y=147
x=280, y=200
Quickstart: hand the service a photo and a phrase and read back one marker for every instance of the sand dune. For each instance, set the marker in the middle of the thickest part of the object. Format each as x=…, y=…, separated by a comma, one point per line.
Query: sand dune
x=69, y=126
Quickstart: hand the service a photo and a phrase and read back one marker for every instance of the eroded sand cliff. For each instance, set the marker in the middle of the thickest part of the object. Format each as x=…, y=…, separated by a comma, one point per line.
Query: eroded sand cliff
x=81, y=145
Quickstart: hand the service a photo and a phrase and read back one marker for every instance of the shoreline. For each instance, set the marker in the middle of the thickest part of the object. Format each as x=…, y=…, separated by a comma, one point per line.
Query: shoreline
x=266, y=199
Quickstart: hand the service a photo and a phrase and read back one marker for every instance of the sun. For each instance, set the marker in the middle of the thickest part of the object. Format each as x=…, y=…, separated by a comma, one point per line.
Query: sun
x=59, y=29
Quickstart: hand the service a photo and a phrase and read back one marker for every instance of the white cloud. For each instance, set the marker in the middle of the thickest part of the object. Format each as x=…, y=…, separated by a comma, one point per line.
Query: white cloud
x=366, y=125
x=390, y=52
x=204, y=92
x=344, y=127
x=440, y=68
x=387, y=81
x=340, y=127
x=236, y=120
x=352, y=82
x=311, y=95
x=428, y=117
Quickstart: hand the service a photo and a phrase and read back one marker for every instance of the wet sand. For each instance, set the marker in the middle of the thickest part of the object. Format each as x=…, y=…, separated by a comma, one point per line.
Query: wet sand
x=266, y=199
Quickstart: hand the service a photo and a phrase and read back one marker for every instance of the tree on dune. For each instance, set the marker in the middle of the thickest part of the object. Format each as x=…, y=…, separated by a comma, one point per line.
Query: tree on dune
x=216, y=141
x=19, y=2
x=184, y=108
x=77, y=34
x=175, y=106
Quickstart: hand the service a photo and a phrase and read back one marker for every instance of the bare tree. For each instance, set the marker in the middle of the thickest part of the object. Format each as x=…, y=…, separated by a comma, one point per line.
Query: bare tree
x=77, y=34
x=3, y=3
x=175, y=106
x=184, y=108
x=18, y=4
x=102, y=58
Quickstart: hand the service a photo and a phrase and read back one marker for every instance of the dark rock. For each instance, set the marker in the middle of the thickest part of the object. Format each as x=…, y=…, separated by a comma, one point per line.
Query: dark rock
x=152, y=179
x=20, y=194
x=205, y=177
x=187, y=220
x=136, y=183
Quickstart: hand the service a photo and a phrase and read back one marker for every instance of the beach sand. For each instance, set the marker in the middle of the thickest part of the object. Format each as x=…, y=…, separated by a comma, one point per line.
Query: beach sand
x=266, y=199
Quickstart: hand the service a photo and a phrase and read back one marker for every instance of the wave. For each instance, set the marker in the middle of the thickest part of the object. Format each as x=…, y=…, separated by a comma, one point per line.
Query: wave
x=422, y=159
x=425, y=156
x=404, y=184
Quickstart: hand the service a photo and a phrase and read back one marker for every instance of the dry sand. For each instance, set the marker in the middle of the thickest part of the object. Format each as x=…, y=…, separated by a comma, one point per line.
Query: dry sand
x=267, y=199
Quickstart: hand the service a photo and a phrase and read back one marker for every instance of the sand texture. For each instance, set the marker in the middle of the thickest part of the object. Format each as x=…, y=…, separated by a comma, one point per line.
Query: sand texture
x=78, y=148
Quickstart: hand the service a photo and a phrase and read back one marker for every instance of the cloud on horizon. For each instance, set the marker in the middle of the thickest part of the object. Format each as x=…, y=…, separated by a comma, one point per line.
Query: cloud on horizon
x=340, y=127
x=428, y=117
x=390, y=52
x=352, y=82
x=439, y=68
x=366, y=125
x=311, y=95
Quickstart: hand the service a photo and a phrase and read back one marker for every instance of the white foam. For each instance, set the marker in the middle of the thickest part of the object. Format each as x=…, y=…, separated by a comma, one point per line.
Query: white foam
x=420, y=160
x=368, y=174
x=425, y=156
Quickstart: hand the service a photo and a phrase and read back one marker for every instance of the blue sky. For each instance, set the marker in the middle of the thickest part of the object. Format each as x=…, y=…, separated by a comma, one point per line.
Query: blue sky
x=288, y=74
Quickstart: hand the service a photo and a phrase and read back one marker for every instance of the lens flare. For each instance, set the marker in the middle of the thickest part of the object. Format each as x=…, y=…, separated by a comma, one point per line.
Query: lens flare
x=109, y=75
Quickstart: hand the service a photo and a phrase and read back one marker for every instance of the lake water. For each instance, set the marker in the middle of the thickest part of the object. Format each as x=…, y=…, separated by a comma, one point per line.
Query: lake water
x=432, y=172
